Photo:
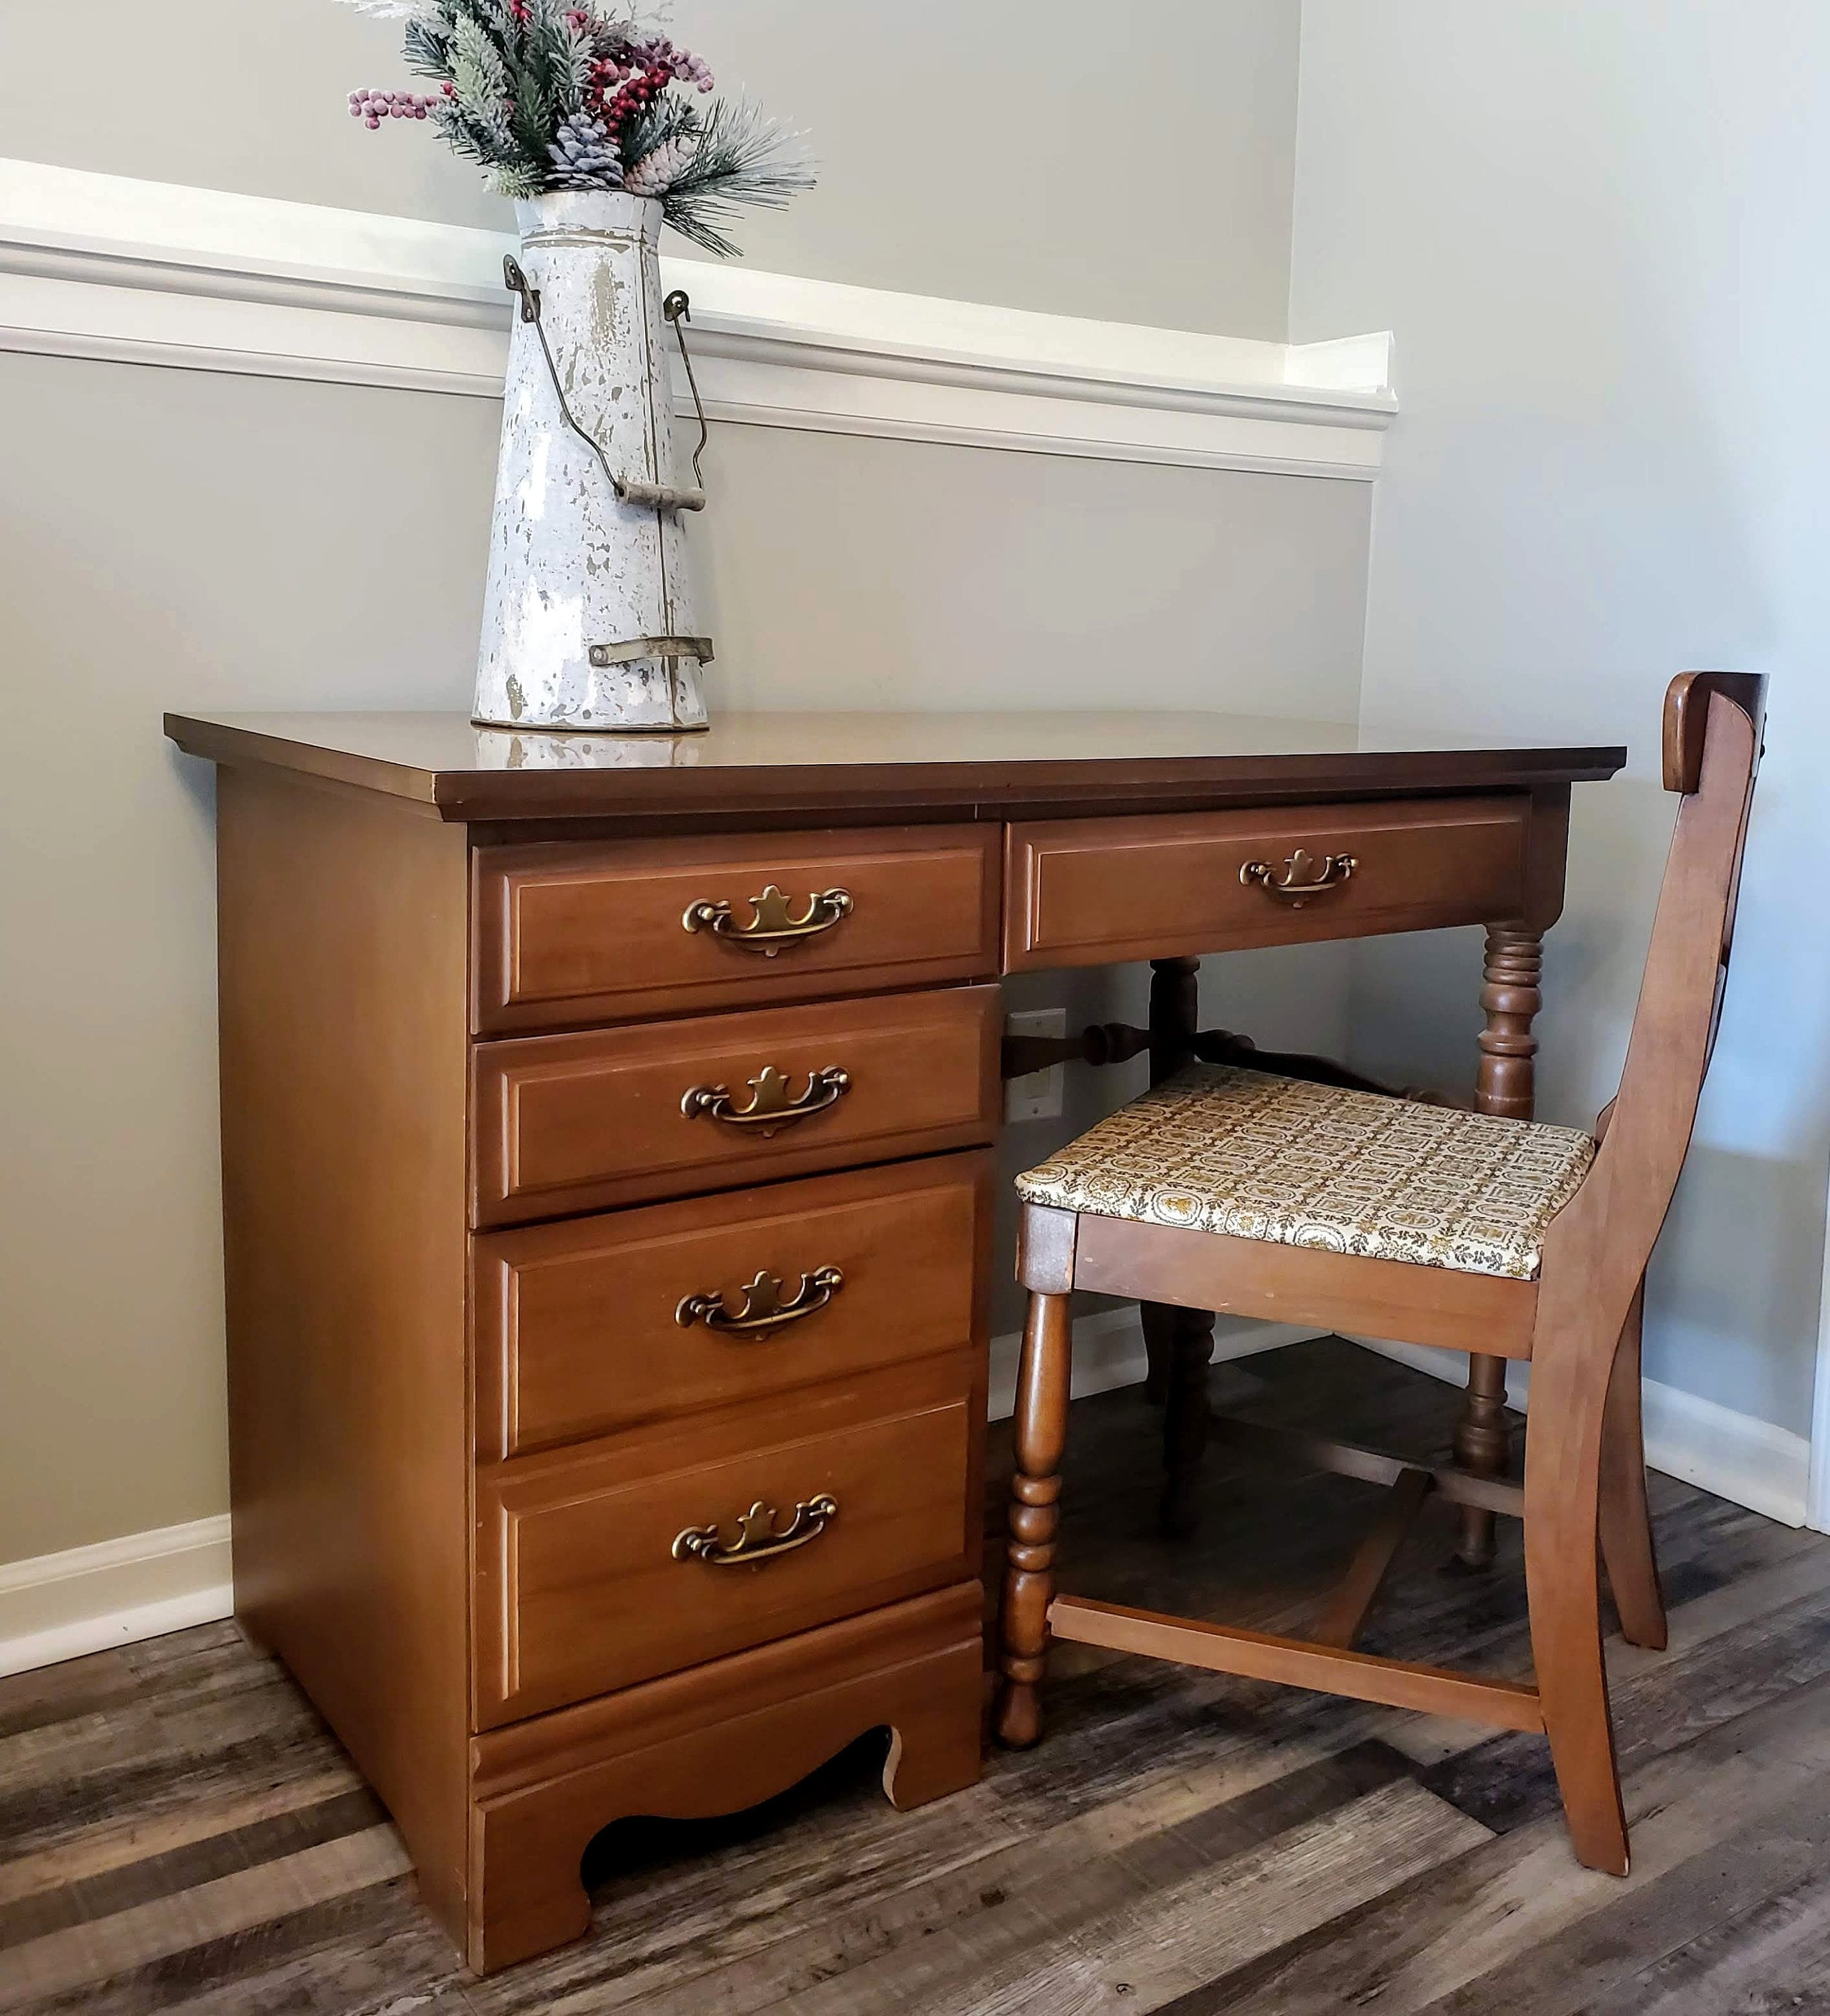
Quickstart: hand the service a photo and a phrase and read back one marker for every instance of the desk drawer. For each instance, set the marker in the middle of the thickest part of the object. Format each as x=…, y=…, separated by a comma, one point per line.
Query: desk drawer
x=578, y=1329
x=569, y=934
x=568, y=1123
x=580, y=1587
x=1088, y=892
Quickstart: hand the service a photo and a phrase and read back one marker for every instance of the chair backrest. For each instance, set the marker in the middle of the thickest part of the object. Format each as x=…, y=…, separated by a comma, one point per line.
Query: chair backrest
x=1712, y=752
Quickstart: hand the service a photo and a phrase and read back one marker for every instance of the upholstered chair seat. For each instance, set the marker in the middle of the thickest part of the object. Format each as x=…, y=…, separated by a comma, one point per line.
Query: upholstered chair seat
x=1241, y=1152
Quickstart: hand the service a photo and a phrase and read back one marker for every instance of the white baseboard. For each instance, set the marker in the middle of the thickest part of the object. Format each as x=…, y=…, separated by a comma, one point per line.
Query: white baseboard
x=1748, y=1462
x=111, y=268
x=1108, y=1352
x=64, y=1606
x=1817, y=1496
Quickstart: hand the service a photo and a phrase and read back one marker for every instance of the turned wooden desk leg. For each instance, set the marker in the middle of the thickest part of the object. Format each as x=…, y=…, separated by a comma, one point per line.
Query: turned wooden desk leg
x=1178, y=1343
x=1175, y=1015
x=1510, y=1000
x=1187, y=1419
x=1158, y=1319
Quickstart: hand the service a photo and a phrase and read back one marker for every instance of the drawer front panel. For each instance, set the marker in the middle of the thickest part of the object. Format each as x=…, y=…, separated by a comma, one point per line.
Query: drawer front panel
x=1084, y=892
x=570, y=933
x=579, y=1332
x=581, y=1589
x=566, y=1123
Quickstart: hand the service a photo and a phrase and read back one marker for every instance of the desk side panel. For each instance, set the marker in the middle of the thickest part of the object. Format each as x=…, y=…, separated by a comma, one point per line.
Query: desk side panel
x=343, y=928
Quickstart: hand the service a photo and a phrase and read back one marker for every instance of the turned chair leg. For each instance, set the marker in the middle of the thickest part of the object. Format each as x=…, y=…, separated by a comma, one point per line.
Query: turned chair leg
x=1480, y=1447
x=1041, y=1433
x=1563, y=1573
x=1625, y=1518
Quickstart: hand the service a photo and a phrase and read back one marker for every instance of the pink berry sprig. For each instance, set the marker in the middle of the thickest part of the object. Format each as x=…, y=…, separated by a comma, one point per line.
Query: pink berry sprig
x=373, y=106
x=661, y=54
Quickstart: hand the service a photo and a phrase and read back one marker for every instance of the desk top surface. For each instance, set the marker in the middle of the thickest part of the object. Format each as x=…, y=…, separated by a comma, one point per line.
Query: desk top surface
x=976, y=764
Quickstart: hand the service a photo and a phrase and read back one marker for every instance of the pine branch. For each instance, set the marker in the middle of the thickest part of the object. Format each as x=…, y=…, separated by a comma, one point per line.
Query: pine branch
x=577, y=58
x=539, y=74
x=428, y=50
x=467, y=138
x=660, y=121
x=477, y=70
x=743, y=157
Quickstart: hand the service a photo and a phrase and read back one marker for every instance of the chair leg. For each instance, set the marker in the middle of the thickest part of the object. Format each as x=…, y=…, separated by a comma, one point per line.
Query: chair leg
x=1041, y=1426
x=1480, y=1449
x=1625, y=1518
x=1563, y=1573
x=1187, y=1419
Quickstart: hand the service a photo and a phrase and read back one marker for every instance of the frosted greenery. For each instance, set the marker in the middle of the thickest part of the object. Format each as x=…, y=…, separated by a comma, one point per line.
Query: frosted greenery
x=542, y=95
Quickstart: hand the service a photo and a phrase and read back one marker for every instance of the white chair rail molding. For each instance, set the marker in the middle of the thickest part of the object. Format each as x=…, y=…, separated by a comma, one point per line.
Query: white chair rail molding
x=111, y=267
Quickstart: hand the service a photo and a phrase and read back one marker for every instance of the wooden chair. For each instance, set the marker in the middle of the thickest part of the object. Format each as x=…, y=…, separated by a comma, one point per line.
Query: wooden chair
x=1464, y=1230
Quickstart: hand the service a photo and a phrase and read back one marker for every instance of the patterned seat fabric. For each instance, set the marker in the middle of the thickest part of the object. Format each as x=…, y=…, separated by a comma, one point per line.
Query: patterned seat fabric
x=1239, y=1152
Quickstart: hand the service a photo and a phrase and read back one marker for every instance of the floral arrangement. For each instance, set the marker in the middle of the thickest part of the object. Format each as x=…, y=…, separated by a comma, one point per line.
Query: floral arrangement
x=573, y=95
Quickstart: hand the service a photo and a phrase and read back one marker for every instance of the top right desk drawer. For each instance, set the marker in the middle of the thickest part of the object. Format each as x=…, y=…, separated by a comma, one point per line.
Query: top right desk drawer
x=1096, y=891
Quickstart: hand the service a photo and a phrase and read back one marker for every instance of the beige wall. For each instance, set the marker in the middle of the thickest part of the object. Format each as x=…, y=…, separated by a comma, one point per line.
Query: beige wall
x=1133, y=163
x=174, y=538
x=878, y=574
x=1599, y=232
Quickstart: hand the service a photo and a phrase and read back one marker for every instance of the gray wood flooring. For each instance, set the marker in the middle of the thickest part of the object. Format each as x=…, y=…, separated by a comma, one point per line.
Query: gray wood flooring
x=178, y=1831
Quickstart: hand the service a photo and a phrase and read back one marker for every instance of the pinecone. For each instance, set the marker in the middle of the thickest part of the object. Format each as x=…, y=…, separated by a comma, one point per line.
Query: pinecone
x=583, y=156
x=656, y=173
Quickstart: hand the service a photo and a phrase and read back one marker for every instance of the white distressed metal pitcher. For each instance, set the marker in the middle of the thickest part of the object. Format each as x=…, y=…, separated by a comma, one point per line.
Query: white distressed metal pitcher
x=589, y=618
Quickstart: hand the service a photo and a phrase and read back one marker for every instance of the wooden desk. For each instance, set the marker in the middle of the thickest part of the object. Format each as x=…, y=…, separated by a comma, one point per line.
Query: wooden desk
x=581, y=1196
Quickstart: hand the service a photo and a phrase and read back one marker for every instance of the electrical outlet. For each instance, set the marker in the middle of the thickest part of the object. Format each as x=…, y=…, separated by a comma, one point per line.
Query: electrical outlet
x=1036, y=1096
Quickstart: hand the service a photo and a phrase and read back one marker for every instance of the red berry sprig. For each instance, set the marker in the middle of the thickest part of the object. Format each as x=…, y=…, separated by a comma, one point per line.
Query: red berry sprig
x=623, y=85
x=634, y=92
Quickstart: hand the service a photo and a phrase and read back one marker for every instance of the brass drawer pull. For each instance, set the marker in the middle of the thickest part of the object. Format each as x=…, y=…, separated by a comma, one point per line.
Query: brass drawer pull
x=771, y=1105
x=770, y=926
x=763, y=1309
x=758, y=1539
x=1300, y=878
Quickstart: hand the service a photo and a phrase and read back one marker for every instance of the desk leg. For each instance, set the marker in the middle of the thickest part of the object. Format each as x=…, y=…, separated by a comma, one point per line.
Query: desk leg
x=1178, y=1342
x=1510, y=997
x=1175, y=1017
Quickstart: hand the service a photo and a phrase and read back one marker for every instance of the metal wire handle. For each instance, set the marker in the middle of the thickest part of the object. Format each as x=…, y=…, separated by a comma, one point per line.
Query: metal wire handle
x=678, y=310
x=655, y=496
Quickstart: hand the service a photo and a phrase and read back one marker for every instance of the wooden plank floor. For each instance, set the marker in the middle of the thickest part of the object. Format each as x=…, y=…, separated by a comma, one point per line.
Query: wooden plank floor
x=179, y=1832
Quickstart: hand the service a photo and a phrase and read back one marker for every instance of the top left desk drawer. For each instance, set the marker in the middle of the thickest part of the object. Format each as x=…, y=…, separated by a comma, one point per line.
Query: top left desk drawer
x=570, y=933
